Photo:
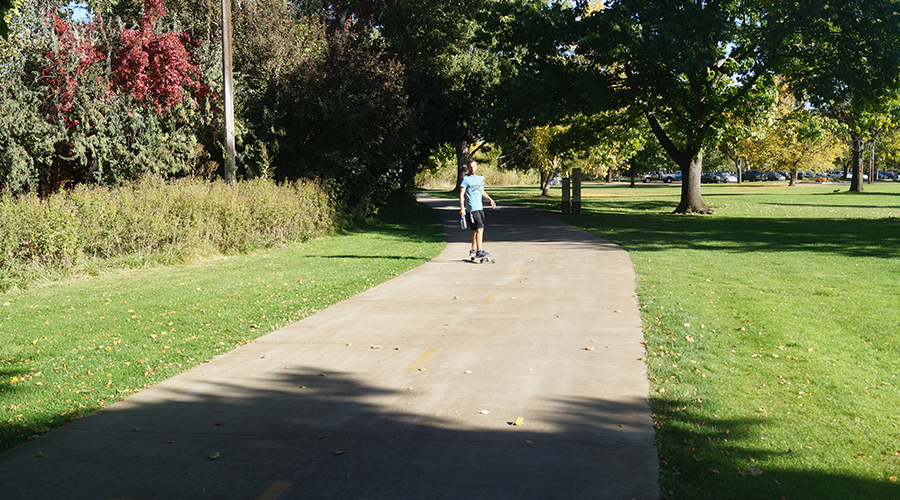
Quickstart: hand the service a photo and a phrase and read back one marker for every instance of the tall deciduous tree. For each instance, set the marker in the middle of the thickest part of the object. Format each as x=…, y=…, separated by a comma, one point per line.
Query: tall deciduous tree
x=793, y=138
x=848, y=65
x=685, y=65
x=450, y=67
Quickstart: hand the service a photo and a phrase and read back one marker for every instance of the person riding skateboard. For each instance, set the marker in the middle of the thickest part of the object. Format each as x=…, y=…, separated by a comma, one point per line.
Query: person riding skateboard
x=471, y=191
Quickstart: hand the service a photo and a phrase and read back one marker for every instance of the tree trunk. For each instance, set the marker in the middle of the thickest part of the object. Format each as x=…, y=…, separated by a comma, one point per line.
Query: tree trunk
x=690, y=160
x=547, y=177
x=856, y=147
x=737, y=166
x=609, y=175
x=462, y=161
x=691, y=199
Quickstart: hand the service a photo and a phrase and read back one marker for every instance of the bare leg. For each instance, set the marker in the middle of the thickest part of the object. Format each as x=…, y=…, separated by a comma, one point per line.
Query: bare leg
x=477, y=237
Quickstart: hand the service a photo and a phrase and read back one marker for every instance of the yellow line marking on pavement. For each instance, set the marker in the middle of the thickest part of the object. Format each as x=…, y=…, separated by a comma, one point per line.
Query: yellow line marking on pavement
x=275, y=491
x=519, y=270
x=490, y=297
x=421, y=360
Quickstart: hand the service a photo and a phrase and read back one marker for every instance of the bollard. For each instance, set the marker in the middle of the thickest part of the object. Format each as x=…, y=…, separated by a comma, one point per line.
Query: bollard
x=576, y=191
x=566, y=207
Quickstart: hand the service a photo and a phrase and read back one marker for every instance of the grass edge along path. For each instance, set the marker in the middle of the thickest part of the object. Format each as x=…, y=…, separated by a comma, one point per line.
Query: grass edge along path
x=72, y=347
x=771, y=331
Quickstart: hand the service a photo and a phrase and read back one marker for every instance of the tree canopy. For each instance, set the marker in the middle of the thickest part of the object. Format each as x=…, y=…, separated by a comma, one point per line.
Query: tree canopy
x=361, y=93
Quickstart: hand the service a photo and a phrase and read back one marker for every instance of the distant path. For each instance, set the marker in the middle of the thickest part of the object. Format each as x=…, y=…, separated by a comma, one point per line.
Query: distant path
x=409, y=390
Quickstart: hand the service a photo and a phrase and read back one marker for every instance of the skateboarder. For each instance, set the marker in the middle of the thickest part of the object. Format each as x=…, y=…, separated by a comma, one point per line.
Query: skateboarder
x=471, y=191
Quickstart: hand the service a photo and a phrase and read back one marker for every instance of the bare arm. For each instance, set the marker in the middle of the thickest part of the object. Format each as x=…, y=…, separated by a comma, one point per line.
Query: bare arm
x=485, y=195
x=462, y=201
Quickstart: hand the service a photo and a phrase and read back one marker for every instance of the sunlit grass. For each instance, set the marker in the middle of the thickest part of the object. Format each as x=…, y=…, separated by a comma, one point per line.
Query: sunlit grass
x=772, y=334
x=71, y=347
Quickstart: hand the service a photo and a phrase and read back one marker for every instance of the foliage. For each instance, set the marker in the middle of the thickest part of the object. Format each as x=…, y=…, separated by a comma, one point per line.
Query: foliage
x=347, y=120
x=684, y=66
x=95, y=102
x=126, y=331
x=794, y=139
x=276, y=44
x=6, y=7
x=71, y=230
x=450, y=68
x=848, y=67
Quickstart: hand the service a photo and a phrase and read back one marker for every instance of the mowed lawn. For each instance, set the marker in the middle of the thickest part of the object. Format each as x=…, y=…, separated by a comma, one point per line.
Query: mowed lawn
x=69, y=348
x=772, y=331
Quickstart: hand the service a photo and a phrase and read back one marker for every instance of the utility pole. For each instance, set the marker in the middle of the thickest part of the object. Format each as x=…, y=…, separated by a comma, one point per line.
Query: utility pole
x=228, y=91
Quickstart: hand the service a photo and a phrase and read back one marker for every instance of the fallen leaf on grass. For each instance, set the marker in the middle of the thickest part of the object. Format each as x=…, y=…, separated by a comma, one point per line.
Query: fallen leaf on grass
x=339, y=452
x=689, y=338
x=40, y=455
x=214, y=456
x=754, y=471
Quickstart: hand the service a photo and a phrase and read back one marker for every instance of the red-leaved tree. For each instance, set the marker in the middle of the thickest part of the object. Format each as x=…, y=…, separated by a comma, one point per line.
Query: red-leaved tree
x=156, y=67
x=119, y=102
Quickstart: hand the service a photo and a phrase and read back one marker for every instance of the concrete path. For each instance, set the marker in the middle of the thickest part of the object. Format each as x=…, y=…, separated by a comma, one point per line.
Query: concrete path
x=410, y=390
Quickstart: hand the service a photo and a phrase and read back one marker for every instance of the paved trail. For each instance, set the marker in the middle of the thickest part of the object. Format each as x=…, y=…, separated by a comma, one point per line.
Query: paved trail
x=314, y=411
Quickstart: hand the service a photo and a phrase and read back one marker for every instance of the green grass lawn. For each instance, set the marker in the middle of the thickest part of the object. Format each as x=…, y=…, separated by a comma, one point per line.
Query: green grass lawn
x=773, y=334
x=71, y=347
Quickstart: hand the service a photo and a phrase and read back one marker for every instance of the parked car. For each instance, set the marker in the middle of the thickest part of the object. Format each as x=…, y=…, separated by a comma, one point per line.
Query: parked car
x=775, y=176
x=660, y=175
x=752, y=176
x=727, y=177
x=709, y=178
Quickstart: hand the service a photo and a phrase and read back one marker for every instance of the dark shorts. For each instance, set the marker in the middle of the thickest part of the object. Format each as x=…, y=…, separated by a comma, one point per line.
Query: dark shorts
x=476, y=219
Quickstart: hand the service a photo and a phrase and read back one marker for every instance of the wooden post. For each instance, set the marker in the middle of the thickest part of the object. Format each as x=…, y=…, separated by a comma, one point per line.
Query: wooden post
x=566, y=208
x=228, y=83
x=576, y=191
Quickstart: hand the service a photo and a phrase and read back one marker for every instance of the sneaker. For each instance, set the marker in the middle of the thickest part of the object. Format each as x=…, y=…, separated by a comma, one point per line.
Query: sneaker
x=472, y=253
x=481, y=253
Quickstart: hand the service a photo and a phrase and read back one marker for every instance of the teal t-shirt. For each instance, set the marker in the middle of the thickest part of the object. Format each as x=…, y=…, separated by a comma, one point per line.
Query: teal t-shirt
x=473, y=185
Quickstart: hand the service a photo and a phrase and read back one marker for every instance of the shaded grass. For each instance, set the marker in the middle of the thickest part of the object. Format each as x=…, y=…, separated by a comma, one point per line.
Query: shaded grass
x=772, y=335
x=72, y=347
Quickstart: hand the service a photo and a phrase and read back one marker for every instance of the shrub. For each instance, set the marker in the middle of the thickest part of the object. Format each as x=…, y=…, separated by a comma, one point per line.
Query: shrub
x=69, y=230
